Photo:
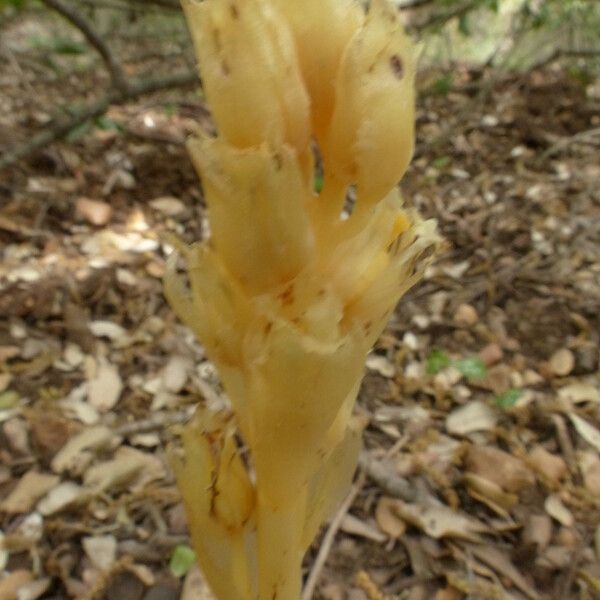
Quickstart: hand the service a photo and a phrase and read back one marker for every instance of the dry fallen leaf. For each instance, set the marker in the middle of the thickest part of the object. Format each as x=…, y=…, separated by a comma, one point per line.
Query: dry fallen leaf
x=504, y=469
x=31, y=528
x=101, y=550
x=127, y=465
x=562, y=362
x=16, y=434
x=580, y=392
x=107, y=329
x=538, y=531
x=74, y=406
x=94, y=212
x=557, y=510
x=12, y=583
x=380, y=364
x=34, y=589
x=3, y=552
x=588, y=432
x=387, y=519
x=105, y=388
x=474, y=416
x=355, y=526
x=30, y=488
x=491, y=354
x=194, y=587
x=589, y=465
x=168, y=205
x=490, y=493
x=440, y=521
x=73, y=456
x=551, y=466
x=61, y=497
x=465, y=316
x=498, y=561
x=5, y=379
x=175, y=373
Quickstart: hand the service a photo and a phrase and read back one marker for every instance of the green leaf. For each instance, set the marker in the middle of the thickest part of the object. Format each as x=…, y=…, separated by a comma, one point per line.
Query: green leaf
x=13, y=3
x=79, y=132
x=463, y=25
x=58, y=45
x=436, y=361
x=509, y=398
x=441, y=162
x=442, y=85
x=182, y=560
x=170, y=109
x=8, y=399
x=492, y=5
x=318, y=184
x=107, y=124
x=62, y=45
x=472, y=367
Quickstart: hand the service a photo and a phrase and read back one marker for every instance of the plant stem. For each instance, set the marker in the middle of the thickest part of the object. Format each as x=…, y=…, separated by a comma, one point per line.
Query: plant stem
x=279, y=530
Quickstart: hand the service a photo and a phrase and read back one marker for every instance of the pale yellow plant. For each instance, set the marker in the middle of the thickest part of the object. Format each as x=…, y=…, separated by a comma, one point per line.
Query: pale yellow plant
x=287, y=295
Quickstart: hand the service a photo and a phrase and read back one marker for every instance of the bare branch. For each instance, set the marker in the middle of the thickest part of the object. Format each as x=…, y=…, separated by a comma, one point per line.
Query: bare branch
x=560, y=53
x=142, y=6
x=63, y=125
x=93, y=37
x=439, y=20
x=336, y=522
x=589, y=53
x=410, y=4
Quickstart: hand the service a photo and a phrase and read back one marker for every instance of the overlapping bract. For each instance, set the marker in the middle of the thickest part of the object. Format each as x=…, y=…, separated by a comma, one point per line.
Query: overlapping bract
x=287, y=296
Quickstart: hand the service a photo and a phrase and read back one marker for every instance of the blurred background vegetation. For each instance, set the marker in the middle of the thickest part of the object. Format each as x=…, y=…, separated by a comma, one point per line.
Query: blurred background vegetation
x=102, y=52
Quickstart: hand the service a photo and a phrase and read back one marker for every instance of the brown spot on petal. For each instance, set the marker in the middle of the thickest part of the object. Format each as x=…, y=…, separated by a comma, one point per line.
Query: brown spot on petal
x=287, y=296
x=397, y=66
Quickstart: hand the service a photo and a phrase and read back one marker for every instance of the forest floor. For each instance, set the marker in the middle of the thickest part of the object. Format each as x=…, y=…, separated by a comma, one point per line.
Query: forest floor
x=482, y=449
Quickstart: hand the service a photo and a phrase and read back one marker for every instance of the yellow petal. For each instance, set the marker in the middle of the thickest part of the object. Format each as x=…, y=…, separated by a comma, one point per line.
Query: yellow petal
x=296, y=388
x=256, y=200
x=371, y=138
x=330, y=483
x=249, y=72
x=322, y=29
x=407, y=259
x=224, y=548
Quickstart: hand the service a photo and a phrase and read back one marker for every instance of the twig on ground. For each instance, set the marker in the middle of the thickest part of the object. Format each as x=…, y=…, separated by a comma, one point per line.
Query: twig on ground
x=561, y=53
x=157, y=421
x=565, y=443
x=63, y=125
x=336, y=522
x=10, y=55
x=583, y=136
x=117, y=76
x=569, y=574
